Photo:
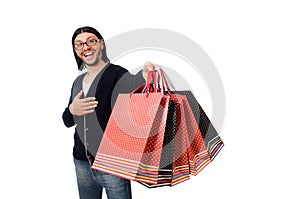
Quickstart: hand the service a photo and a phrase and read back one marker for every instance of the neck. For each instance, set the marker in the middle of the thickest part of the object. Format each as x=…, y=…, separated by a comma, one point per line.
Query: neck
x=93, y=70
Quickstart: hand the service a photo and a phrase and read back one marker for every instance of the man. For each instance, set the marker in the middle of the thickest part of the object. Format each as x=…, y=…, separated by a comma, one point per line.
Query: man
x=90, y=105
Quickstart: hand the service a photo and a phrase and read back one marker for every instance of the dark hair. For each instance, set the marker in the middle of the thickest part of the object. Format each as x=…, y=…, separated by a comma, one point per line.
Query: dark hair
x=90, y=30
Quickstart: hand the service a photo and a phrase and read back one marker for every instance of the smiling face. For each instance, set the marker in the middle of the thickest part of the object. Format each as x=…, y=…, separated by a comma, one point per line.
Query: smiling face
x=91, y=55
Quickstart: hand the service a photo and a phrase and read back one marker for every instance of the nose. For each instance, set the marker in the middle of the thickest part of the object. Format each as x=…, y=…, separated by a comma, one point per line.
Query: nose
x=85, y=46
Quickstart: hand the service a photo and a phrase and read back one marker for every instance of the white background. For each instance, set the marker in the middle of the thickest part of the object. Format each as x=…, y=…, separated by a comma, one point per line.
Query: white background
x=255, y=46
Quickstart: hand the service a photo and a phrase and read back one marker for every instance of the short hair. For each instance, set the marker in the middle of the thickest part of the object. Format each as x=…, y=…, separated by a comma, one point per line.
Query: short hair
x=90, y=30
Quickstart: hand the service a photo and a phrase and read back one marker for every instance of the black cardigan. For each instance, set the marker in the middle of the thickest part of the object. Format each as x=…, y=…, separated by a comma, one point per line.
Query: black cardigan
x=108, y=88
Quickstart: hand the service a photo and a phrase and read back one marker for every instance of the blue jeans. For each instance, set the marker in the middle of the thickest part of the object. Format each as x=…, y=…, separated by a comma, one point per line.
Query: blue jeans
x=91, y=183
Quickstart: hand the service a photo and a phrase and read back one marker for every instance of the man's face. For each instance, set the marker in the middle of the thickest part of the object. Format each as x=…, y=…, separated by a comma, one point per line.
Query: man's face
x=90, y=55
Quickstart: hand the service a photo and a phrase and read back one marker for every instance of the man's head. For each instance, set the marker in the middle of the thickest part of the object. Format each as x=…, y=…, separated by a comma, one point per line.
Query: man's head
x=88, y=47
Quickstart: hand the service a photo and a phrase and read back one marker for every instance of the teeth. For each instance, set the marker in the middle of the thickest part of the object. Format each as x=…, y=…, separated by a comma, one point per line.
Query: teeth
x=88, y=54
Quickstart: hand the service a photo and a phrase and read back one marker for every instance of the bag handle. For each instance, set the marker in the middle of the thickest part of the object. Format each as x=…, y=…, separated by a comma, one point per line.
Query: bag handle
x=151, y=82
x=165, y=86
x=149, y=86
x=156, y=82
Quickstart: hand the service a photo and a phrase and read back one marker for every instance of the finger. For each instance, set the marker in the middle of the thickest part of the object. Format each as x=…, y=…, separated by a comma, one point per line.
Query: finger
x=81, y=113
x=88, y=99
x=79, y=94
x=86, y=108
x=148, y=66
x=88, y=111
x=157, y=67
x=90, y=104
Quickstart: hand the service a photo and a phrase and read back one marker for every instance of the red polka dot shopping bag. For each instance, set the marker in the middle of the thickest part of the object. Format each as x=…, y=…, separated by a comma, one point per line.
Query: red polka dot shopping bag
x=154, y=137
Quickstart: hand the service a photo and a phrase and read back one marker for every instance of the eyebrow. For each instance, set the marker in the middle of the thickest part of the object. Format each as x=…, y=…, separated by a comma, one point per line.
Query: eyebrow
x=76, y=41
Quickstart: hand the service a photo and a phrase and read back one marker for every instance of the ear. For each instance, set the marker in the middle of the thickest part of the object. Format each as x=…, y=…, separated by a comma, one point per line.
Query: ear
x=101, y=44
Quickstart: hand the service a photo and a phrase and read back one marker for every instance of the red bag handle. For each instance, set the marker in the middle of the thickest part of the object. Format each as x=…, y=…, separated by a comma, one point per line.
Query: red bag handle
x=165, y=85
x=152, y=84
x=149, y=86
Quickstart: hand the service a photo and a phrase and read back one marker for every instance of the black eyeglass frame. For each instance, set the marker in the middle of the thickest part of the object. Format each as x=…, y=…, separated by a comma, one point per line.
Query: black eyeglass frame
x=80, y=46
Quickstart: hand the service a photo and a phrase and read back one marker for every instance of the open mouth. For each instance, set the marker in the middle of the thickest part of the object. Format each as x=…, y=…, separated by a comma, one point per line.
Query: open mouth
x=88, y=54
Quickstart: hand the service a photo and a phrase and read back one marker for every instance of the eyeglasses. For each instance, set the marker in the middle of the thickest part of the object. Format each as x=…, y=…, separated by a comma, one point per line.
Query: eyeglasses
x=89, y=42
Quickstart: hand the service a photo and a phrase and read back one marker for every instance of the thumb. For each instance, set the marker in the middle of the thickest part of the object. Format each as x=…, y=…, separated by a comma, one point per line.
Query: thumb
x=79, y=94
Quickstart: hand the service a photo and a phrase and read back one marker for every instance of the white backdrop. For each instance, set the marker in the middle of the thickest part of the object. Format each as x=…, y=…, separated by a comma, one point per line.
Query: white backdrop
x=254, y=45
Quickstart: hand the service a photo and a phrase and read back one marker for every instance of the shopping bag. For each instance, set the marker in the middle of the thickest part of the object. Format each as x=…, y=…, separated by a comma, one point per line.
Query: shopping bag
x=188, y=152
x=165, y=173
x=131, y=146
x=158, y=146
x=189, y=155
x=213, y=141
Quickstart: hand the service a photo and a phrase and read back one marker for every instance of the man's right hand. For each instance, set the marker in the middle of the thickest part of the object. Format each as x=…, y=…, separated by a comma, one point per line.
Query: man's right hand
x=83, y=106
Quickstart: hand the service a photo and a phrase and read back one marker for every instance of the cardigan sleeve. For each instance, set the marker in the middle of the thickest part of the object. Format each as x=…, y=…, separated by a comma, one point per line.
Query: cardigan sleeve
x=67, y=115
x=125, y=82
x=129, y=82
